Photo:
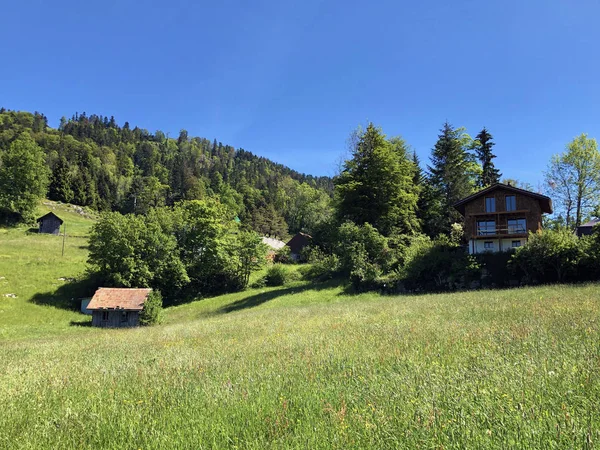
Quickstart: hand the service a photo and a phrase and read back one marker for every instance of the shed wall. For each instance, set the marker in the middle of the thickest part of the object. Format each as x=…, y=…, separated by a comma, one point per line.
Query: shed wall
x=50, y=225
x=115, y=319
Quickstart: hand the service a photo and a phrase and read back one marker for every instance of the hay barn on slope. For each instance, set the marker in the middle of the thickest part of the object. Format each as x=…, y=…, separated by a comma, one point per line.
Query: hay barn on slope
x=50, y=224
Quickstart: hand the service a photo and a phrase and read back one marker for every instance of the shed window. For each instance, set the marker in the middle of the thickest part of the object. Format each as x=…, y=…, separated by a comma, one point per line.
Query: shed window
x=488, y=245
x=486, y=227
x=490, y=204
x=105, y=315
x=511, y=203
x=124, y=316
x=517, y=226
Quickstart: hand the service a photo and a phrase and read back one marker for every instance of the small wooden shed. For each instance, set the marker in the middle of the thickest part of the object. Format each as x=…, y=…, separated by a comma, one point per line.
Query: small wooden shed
x=50, y=223
x=117, y=307
x=297, y=243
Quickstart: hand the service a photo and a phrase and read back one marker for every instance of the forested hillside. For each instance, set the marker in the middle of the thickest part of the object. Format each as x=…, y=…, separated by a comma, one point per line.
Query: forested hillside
x=93, y=161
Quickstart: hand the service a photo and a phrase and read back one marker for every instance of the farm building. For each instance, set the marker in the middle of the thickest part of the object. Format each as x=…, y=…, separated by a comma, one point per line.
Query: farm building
x=500, y=217
x=274, y=246
x=297, y=243
x=117, y=307
x=587, y=228
x=50, y=224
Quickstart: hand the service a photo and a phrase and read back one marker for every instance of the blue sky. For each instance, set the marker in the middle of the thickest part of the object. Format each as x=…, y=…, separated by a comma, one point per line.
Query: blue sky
x=291, y=80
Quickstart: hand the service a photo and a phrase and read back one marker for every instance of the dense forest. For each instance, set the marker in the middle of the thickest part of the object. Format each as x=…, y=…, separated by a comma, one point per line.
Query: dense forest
x=95, y=162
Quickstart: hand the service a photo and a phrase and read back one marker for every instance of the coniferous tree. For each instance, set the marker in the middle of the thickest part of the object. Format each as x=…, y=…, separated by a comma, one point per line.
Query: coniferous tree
x=450, y=178
x=376, y=185
x=60, y=182
x=489, y=174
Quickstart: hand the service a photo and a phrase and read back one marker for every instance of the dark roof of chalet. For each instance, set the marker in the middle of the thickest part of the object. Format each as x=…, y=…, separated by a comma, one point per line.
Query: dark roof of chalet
x=47, y=216
x=125, y=299
x=590, y=224
x=545, y=201
x=298, y=236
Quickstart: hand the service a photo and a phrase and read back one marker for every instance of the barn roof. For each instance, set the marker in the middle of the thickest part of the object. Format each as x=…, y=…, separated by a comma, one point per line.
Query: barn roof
x=119, y=298
x=48, y=216
x=275, y=244
x=590, y=224
x=545, y=201
x=298, y=241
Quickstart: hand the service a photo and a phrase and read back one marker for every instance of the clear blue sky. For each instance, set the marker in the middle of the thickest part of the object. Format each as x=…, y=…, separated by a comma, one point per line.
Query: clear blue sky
x=290, y=80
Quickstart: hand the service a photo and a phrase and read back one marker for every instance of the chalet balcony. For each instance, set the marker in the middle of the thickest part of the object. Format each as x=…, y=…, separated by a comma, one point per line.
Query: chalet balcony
x=493, y=231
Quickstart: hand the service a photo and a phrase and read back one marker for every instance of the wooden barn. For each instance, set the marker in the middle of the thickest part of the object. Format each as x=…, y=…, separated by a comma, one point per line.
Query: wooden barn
x=297, y=243
x=117, y=307
x=50, y=224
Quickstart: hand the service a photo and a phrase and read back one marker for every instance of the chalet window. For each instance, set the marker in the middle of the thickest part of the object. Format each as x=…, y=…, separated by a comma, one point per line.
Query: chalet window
x=517, y=226
x=105, y=315
x=511, y=203
x=490, y=204
x=488, y=245
x=516, y=244
x=124, y=317
x=486, y=227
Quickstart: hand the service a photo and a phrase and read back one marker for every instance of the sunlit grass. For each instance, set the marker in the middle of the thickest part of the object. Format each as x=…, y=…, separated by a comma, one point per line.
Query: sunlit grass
x=302, y=366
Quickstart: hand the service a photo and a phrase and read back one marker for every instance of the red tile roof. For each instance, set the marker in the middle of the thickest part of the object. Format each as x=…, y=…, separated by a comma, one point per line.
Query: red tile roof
x=119, y=298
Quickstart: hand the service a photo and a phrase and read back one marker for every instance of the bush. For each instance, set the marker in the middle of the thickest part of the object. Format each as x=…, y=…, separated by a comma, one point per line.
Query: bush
x=152, y=312
x=363, y=254
x=283, y=255
x=321, y=266
x=437, y=265
x=278, y=275
x=550, y=256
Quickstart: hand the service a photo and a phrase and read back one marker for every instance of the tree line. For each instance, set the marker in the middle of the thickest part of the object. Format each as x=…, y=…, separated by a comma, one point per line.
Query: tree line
x=92, y=161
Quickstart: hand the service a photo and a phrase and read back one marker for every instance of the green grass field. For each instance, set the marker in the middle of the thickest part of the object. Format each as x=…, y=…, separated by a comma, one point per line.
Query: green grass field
x=305, y=366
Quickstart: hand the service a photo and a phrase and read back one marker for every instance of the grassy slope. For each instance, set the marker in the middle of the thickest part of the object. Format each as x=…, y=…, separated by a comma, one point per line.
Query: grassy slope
x=304, y=367
x=31, y=264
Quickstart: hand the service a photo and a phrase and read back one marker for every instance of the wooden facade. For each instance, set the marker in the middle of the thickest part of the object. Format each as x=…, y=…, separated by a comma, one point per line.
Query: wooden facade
x=500, y=217
x=49, y=224
x=115, y=318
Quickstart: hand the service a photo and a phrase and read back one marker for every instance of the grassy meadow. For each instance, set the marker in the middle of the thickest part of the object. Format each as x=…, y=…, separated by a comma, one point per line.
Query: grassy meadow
x=305, y=366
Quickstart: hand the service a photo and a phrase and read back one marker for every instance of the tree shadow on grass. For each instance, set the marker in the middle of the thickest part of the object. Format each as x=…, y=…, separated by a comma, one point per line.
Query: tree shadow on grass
x=258, y=299
x=81, y=323
x=69, y=295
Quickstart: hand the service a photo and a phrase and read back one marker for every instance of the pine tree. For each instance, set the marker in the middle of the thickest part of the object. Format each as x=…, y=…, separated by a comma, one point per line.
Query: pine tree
x=60, y=182
x=489, y=175
x=450, y=179
x=376, y=185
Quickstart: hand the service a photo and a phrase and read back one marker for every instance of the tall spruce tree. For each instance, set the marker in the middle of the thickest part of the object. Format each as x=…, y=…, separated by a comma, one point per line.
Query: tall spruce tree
x=376, y=185
x=450, y=179
x=489, y=174
x=60, y=182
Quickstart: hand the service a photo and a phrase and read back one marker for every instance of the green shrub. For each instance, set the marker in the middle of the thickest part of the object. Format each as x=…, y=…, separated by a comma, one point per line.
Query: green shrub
x=277, y=275
x=321, y=266
x=550, y=256
x=152, y=312
x=363, y=253
x=437, y=265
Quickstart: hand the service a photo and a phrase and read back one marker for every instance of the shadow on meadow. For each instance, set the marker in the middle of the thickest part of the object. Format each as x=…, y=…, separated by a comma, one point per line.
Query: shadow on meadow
x=263, y=297
x=69, y=295
x=81, y=323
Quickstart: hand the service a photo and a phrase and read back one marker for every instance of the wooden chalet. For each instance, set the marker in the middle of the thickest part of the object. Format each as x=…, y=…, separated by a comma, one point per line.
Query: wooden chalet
x=501, y=216
x=117, y=307
x=49, y=224
x=297, y=243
